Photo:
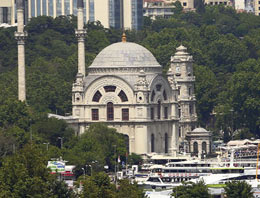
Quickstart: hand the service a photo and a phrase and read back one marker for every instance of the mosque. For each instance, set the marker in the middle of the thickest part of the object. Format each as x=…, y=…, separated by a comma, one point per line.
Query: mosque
x=125, y=88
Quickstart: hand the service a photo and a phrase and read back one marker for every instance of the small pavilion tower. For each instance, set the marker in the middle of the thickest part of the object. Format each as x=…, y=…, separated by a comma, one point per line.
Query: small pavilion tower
x=20, y=36
x=80, y=34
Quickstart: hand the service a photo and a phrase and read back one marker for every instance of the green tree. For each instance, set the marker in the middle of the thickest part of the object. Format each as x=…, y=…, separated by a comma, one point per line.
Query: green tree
x=98, y=143
x=131, y=190
x=238, y=189
x=205, y=91
x=25, y=174
x=98, y=186
x=191, y=190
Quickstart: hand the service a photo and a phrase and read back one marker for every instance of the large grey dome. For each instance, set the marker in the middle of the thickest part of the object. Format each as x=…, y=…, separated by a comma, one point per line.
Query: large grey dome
x=125, y=54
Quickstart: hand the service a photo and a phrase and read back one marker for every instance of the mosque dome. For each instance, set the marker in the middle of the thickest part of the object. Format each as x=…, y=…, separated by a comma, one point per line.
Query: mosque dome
x=124, y=54
x=200, y=130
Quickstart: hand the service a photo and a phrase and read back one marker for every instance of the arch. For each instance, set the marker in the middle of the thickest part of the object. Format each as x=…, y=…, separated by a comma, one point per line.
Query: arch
x=195, y=147
x=166, y=142
x=152, y=143
x=204, y=147
x=98, y=84
x=110, y=111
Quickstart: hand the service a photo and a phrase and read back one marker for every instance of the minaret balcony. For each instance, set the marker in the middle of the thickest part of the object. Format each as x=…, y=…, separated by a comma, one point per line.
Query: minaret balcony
x=80, y=33
x=20, y=36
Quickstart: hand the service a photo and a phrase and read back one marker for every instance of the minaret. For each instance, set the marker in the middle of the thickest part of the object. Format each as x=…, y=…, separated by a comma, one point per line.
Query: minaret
x=182, y=70
x=80, y=34
x=20, y=36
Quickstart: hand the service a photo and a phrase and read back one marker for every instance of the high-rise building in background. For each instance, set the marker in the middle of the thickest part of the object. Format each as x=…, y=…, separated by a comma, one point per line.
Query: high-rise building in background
x=127, y=14
x=7, y=11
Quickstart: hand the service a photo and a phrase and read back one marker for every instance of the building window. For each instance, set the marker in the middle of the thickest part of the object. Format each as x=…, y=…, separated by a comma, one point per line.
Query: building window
x=125, y=114
x=123, y=96
x=225, y=3
x=110, y=111
x=191, y=109
x=164, y=95
x=179, y=111
x=179, y=91
x=110, y=88
x=190, y=91
x=152, y=97
x=159, y=110
x=204, y=147
x=184, y=4
x=95, y=114
x=97, y=97
x=166, y=143
x=152, y=113
x=195, y=147
x=158, y=87
x=165, y=112
x=152, y=143
x=179, y=131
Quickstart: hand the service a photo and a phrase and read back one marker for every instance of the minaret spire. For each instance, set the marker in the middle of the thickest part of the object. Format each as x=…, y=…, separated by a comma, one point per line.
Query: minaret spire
x=20, y=36
x=80, y=34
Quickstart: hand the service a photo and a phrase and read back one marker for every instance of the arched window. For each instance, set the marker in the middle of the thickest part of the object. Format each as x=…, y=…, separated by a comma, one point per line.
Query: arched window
x=166, y=143
x=195, y=147
x=152, y=143
x=110, y=88
x=158, y=87
x=204, y=147
x=159, y=110
x=122, y=96
x=97, y=97
x=164, y=95
x=110, y=111
x=152, y=96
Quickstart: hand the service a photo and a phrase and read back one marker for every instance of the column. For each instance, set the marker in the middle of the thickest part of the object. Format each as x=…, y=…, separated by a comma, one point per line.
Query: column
x=54, y=8
x=20, y=36
x=174, y=137
x=141, y=139
x=62, y=7
x=71, y=7
x=13, y=13
x=35, y=8
x=41, y=7
x=47, y=7
x=29, y=10
x=80, y=34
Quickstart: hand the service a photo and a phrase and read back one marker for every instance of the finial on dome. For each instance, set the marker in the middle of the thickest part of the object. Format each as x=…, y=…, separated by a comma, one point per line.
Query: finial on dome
x=124, y=37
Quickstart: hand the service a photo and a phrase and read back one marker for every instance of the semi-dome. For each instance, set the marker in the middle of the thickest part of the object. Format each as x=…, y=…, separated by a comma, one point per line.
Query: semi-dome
x=124, y=54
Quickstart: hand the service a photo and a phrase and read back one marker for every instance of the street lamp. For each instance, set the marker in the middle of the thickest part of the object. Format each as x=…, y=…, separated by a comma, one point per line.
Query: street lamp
x=61, y=141
x=47, y=145
x=84, y=172
x=115, y=164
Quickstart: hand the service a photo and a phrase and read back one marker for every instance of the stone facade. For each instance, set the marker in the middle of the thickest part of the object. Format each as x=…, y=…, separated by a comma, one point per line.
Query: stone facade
x=125, y=88
x=182, y=71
